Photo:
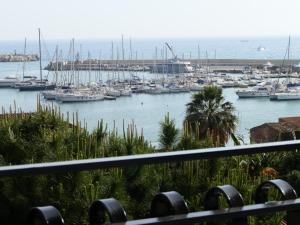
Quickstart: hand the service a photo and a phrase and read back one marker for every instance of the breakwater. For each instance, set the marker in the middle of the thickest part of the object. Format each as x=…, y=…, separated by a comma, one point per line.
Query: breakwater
x=217, y=65
x=18, y=57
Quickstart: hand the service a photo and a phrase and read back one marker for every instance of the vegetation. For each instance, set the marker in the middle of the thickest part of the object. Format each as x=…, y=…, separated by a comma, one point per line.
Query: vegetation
x=168, y=134
x=208, y=115
x=48, y=135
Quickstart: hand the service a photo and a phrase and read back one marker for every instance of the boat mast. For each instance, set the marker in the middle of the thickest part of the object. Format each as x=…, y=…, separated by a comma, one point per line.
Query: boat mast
x=40, y=52
x=289, y=44
x=199, y=56
x=56, y=71
x=24, y=60
x=123, y=55
x=90, y=67
x=73, y=62
x=290, y=69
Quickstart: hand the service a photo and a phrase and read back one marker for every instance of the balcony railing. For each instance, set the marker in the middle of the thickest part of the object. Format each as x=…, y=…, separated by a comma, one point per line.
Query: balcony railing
x=170, y=207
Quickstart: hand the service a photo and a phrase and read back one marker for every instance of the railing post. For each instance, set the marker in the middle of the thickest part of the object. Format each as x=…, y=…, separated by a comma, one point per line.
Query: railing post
x=110, y=206
x=233, y=197
x=168, y=203
x=46, y=215
x=287, y=192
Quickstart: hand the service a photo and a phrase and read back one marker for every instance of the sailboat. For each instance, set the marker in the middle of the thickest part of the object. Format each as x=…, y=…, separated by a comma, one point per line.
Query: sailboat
x=38, y=85
x=288, y=93
x=26, y=79
x=78, y=94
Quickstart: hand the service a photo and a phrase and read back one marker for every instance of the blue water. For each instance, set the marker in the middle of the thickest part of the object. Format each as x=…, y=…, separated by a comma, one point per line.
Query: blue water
x=148, y=110
x=145, y=48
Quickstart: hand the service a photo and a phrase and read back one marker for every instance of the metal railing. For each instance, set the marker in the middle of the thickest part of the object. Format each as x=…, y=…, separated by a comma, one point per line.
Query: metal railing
x=170, y=207
x=145, y=159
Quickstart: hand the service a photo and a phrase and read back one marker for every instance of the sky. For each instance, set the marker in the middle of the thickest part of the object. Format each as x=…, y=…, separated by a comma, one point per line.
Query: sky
x=94, y=19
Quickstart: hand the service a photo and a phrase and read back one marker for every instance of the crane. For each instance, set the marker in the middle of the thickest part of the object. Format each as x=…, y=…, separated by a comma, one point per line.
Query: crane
x=171, y=50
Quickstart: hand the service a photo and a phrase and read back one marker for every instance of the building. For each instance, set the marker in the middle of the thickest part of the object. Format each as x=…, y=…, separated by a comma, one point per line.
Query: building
x=287, y=128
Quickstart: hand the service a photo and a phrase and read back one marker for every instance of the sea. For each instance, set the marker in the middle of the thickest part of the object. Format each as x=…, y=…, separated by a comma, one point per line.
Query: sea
x=146, y=111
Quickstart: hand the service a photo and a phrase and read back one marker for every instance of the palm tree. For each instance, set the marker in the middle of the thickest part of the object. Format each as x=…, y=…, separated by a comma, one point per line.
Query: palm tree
x=208, y=115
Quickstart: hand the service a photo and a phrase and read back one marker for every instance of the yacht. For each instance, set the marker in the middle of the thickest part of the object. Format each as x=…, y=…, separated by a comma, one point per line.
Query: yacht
x=255, y=92
x=79, y=97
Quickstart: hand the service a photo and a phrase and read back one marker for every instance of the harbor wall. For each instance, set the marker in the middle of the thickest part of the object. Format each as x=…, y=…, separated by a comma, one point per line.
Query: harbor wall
x=219, y=65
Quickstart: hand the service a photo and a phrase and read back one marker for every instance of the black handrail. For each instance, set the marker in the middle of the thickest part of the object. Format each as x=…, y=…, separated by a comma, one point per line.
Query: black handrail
x=291, y=206
x=143, y=159
x=237, y=212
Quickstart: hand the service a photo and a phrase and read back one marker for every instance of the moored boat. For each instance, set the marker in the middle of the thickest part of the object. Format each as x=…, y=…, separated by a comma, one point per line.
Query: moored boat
x=8, y=81
x=79, y=97
x=292, y=94
x=255, y=92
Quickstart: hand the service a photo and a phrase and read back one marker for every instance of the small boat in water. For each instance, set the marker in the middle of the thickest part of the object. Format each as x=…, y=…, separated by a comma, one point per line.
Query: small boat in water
x=261, y=48
x=113, y=92
x=106, y=97
x=49, y=95
x=36, y=86
x=8, y=81
x=290, y=94
x=125, y=92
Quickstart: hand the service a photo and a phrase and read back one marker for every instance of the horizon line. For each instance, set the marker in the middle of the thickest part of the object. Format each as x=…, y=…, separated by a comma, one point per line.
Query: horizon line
x=157, y=37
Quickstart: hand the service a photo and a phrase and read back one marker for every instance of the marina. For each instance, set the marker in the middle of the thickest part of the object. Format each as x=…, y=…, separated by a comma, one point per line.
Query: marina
x=125, y=91
x=149, y=112
x=147, y=104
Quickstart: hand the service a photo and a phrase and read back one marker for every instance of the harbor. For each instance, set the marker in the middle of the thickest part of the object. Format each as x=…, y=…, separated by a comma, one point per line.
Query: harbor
x=144, y=90
x=149, y=112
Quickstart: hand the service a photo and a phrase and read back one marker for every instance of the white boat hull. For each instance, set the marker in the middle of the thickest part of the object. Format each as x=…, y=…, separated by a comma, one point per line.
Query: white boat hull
x=8, y=83
x=79, y=98
x=251, y=94
x=286, y=96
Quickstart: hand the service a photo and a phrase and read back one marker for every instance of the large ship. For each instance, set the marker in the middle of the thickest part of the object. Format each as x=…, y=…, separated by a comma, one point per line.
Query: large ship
x=172, y=66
